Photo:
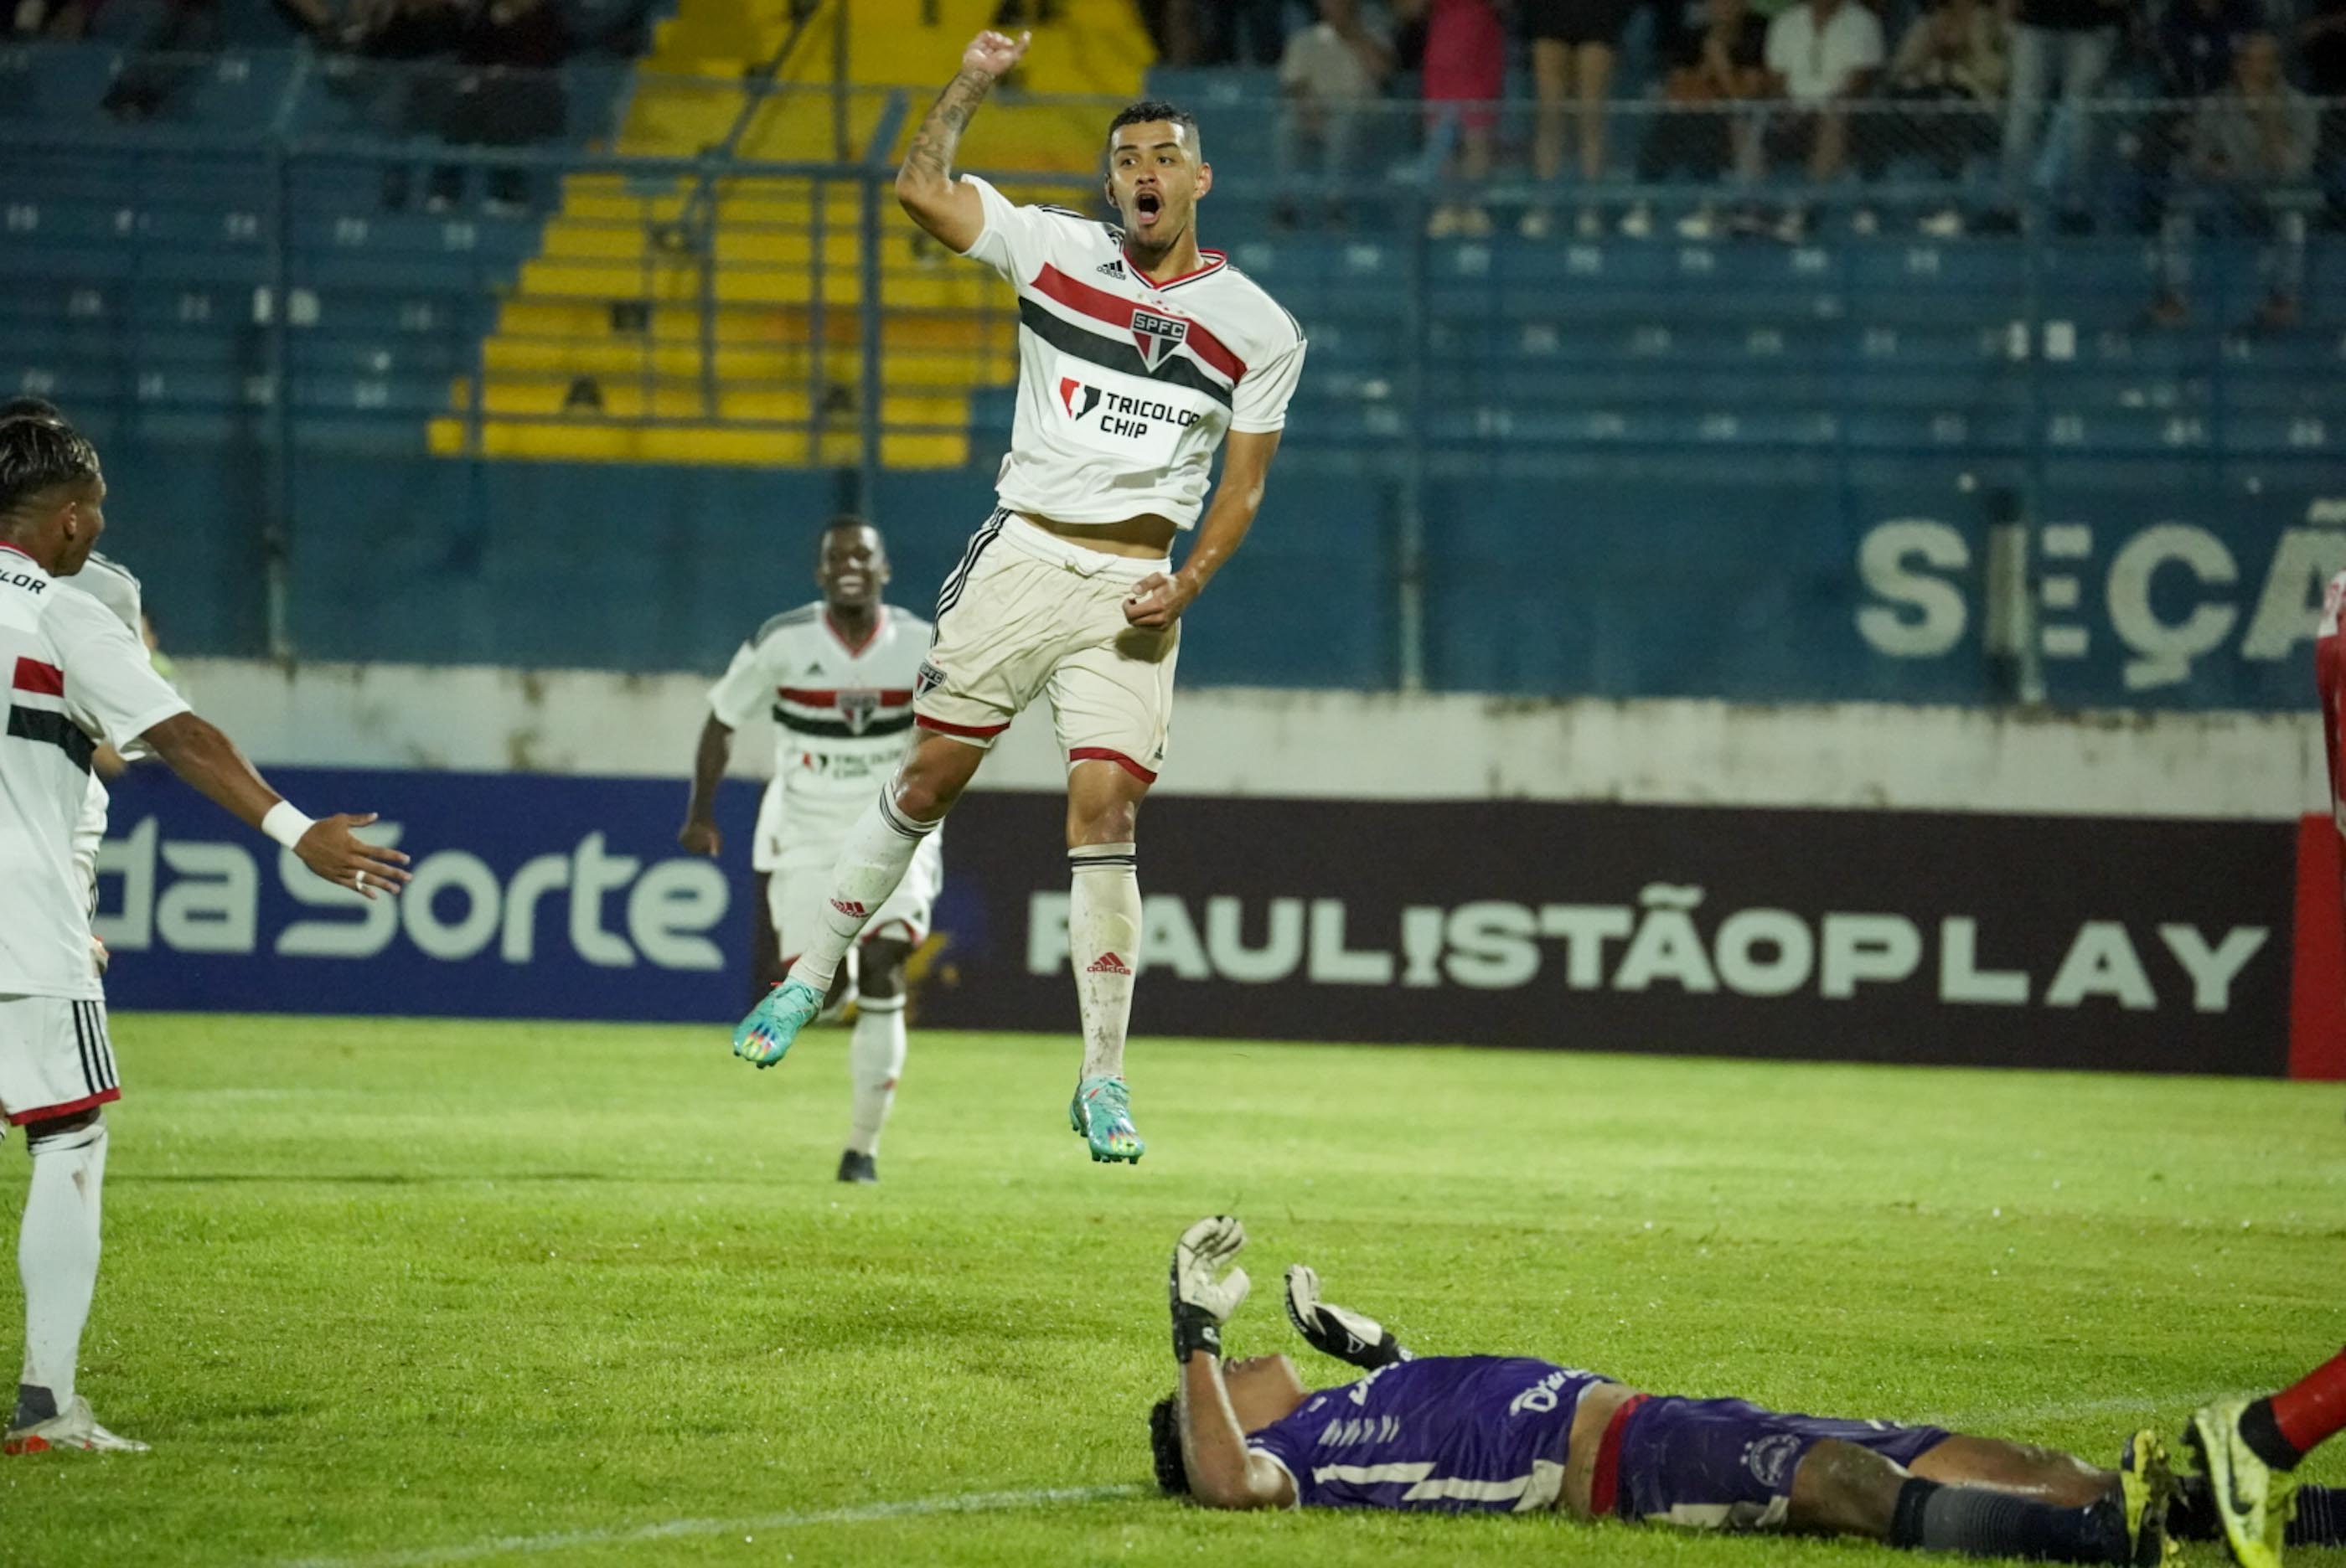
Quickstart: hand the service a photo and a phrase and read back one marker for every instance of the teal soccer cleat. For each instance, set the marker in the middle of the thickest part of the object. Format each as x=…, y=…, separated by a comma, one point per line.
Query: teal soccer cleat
x=765, y=1036
x=1102, y=1111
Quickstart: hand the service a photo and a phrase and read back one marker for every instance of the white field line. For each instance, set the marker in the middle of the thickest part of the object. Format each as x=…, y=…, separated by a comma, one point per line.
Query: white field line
x=1995, y=1421
x=681, y=1529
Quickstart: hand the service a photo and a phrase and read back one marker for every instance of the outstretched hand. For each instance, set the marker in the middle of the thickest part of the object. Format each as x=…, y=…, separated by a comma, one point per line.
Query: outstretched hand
x=1334, y=1330
x=1203, y=1295
x=333, y=853
x=993, y=54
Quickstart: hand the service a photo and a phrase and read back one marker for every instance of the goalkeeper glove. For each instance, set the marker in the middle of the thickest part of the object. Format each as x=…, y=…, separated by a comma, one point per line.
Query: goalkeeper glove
x=1203, y=1296
x=1338, y=1332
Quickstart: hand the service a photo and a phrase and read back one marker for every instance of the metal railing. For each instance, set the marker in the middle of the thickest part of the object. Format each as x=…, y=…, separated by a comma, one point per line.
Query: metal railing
x=324, y=274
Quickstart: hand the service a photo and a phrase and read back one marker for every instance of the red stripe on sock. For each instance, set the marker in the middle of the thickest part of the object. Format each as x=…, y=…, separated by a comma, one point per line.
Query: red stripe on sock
x=2309, y=1411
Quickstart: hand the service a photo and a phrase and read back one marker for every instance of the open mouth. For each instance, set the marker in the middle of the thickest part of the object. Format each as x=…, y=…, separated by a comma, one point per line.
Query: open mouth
x=1145, y=206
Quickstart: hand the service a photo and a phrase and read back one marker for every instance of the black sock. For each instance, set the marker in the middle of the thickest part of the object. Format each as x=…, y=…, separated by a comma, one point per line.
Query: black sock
x=2262, y=1434
x=34, y=1404
x=2321, y=1517
x=2191, y=1512
x=1982, y=1523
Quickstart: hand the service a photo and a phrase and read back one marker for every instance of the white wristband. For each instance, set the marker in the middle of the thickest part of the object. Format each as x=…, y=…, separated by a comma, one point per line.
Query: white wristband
x=285, y=823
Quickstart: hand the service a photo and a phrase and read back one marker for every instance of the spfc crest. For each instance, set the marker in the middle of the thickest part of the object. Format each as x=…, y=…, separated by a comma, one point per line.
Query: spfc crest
x=857, y=708
x=1158, y=336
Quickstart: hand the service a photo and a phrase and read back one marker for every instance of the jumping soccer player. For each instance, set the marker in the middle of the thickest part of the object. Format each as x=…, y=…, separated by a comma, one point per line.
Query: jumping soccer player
x=1506, y=1434
x=837, y=677
x=1140, y=356
x=78, y=676
x=2247, y=1450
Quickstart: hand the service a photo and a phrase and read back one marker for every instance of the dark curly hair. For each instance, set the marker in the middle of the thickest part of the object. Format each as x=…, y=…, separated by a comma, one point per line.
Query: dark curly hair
x=39, y=455
x=1149, y=109
x=1164, y=1444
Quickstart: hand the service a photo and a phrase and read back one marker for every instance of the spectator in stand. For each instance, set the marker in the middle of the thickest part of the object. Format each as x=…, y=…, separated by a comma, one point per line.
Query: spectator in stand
x=1239, y=32
x=2197, y=40
x=1950, y=71
x=163, y=59
x=403, y=35
x=1821, y=55
x=1330, y=73
x=510, y=94
x=1714, y=54
x=2321, y=54
x=2246, y=169
x=59, y=19
x=1464, y=72
x=1572, y=44
x=2080, y=37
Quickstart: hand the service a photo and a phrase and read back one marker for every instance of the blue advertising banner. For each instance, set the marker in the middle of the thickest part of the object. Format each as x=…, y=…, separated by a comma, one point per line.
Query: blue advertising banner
x=534, y=896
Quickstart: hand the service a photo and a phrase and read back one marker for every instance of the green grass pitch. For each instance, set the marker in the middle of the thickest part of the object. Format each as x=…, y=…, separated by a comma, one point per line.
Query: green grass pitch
x=419, y=1292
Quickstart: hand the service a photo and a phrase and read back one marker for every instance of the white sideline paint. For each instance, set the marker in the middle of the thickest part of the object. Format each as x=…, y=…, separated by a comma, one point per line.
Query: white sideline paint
x=681, y=1529
x=1280, y=744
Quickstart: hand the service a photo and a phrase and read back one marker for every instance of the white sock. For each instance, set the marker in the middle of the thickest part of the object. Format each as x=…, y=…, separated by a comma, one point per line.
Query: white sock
x=1103, y=946
x=875, y=1059
x=878, y=851
x=57, y=1258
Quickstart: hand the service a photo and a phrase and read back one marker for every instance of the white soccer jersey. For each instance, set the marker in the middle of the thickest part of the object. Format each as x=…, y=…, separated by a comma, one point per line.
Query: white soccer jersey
x=841, y=715
x=76, y=676
x=1125, y=387
x=109, y=582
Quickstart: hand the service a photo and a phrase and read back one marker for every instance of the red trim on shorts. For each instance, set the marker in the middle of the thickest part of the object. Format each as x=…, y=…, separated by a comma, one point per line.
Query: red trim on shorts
x=889, y=697
x=34, y=676
x=966, y=731
x=1605, y=1480
x=1116, y=311
x=1102, y=754
x=49, y=1113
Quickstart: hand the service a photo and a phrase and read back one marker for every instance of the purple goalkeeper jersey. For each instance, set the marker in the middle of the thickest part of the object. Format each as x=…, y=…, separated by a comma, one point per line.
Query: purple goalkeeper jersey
x=1449, y=1433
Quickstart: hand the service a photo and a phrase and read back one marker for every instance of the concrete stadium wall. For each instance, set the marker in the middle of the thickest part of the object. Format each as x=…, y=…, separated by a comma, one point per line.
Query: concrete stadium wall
x=1748, y=577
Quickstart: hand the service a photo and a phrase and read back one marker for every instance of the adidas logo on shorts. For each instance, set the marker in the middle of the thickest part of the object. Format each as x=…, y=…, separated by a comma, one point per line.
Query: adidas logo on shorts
x=1107, y=963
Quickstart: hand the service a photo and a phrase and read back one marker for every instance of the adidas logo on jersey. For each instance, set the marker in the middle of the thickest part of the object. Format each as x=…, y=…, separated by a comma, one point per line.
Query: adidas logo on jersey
x=1111, y=268
x=1107, y=963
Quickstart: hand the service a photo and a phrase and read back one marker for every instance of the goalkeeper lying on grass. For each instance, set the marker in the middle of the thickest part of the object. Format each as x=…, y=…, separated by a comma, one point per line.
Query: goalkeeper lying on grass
x=1510, y=1434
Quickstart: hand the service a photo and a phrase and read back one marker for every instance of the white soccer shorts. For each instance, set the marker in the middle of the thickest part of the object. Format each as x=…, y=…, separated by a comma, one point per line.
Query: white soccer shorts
x=55, y=1057
x=795, y=895
x=1027, y=614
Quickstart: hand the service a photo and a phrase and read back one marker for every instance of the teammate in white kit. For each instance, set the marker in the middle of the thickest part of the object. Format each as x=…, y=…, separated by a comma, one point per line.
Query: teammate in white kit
x=76, y=676
x=1140, y=356
x=837, y=677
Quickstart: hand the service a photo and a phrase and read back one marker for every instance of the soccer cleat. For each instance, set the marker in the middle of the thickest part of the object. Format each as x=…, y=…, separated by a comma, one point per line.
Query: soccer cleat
x=1102, y=1111
x=766, y=1036
x=72, y=1428
x=2145, y=1490
x=2253, y=1501
x=858, y=1167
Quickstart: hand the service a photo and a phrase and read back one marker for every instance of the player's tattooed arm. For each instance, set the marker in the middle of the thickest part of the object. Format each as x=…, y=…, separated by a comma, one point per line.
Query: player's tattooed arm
x=925, y=185
x=1157, y=600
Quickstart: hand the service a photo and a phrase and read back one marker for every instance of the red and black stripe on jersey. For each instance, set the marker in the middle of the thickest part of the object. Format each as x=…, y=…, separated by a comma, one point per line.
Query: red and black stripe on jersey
x=48, y=726
x=1101, y=331
x=846, y=714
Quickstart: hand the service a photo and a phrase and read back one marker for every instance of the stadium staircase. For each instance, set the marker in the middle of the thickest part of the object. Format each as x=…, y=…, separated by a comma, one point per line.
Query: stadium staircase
x=626, y=339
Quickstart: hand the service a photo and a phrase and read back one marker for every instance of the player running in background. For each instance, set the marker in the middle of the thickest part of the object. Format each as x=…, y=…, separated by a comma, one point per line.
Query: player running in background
x=1507, y=1434
x=2247, y=1450
x=78, y=676
x=1139, y=355
x=837, y=675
